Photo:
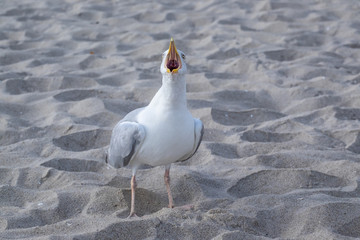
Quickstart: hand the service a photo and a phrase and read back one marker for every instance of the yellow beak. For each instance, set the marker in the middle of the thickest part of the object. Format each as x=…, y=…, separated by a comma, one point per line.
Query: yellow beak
x=173, y=61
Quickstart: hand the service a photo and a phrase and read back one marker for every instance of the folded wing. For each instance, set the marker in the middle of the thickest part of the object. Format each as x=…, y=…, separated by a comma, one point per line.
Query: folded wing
x=198, y=135
x=126, y=140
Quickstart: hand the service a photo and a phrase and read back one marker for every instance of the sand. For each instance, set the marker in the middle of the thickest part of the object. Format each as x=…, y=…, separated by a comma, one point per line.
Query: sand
x=276, y=84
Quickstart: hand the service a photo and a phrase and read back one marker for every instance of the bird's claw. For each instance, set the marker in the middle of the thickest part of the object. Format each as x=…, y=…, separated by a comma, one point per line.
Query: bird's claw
x=132, y=214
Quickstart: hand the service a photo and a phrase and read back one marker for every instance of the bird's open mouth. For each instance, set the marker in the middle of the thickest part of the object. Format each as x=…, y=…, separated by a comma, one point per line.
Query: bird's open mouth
x=173, y=61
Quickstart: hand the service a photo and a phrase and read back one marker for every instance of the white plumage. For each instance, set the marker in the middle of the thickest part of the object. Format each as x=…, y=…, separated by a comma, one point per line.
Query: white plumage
x=161, y=133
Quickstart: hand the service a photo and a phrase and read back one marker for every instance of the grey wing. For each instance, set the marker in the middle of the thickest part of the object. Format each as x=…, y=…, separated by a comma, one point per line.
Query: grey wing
x=126, y=140
x=198, y=135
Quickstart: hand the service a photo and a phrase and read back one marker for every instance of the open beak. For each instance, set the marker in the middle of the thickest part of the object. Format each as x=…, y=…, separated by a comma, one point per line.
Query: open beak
x=173, y=61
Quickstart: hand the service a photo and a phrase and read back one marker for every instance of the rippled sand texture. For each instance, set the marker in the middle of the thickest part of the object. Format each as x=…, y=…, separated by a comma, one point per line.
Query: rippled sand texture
x=276, y=84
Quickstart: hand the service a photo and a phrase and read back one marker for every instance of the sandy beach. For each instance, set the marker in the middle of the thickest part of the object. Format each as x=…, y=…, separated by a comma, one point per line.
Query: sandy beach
x=275, y=82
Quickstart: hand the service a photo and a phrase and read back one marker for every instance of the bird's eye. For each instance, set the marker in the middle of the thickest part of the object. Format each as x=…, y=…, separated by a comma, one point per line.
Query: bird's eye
x=183, y=56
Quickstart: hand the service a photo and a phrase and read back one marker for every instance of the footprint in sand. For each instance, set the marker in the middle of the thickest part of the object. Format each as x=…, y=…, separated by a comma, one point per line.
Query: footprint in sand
x=283, y=181
x=306, y=39
x=83, y=141
x=75, y=95
x=73, y=165
x=283, y=55
x=224, y=150
x=347, y=113
x=14, y=57
x=51, y=209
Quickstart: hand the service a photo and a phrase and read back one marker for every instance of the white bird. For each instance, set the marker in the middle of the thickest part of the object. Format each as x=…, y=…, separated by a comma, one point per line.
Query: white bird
x=161, y=133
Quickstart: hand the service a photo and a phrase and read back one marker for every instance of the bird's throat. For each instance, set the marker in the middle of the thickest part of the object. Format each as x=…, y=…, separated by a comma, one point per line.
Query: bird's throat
x=172, y=92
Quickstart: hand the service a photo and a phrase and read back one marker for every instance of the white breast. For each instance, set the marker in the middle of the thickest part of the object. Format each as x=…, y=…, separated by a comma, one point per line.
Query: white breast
x=169, y=135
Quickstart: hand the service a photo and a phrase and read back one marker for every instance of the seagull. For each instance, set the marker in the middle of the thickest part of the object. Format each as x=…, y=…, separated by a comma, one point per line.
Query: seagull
x=161, y=133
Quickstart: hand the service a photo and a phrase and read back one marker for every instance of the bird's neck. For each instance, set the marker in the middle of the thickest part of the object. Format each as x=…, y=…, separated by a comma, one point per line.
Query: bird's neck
x=172, y=92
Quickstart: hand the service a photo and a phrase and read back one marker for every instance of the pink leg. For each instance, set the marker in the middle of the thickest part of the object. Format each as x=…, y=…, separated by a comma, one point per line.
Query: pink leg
x=167, y=184
x=133, y=187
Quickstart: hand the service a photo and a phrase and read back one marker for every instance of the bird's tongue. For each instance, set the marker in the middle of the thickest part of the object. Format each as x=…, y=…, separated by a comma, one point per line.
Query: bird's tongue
x=172, y=64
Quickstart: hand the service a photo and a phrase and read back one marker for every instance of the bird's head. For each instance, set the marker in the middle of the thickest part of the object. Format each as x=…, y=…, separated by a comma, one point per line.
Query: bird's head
x=173, y=60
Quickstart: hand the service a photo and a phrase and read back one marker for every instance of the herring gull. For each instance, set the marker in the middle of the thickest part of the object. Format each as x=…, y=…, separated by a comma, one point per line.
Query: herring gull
x=161, y=133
